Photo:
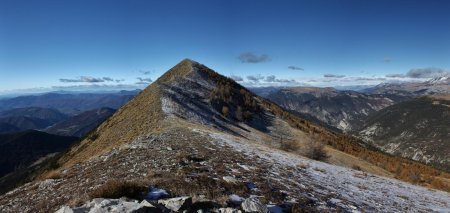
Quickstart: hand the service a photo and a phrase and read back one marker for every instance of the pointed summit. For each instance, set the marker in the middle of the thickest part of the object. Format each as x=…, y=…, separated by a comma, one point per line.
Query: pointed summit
x=188, y=67
x=184, y=91
x=183, y=68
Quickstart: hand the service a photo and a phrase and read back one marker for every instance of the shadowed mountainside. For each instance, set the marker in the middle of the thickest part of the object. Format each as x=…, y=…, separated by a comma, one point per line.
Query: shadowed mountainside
x=19, y=151
x=418, y=129
x=81, y=124
x=20, y=119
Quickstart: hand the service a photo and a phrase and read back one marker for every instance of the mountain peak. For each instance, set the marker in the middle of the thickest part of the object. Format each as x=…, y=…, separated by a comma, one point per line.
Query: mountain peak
x=183, y=68
x=193, y=71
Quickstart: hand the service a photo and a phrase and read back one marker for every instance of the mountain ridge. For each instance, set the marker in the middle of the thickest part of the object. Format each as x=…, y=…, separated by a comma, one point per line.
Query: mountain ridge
x=200, y=134
x=343, y=110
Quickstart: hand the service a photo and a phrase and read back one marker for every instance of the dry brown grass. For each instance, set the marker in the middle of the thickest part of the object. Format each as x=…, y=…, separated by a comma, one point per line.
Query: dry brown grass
x=118, y=189
x=182, y=184
x=141, y=115
x=53, y=174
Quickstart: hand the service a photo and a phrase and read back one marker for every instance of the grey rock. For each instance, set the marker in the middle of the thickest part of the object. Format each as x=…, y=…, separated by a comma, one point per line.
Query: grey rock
x=100, y=205
x=236, y=199
x=147, y=204
x=65, y=209
x=229, y=210
x=177, y=204
x=253, y=204
x=229, y=179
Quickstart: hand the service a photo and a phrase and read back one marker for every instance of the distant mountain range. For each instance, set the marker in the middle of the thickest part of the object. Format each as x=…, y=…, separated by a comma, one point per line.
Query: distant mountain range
x=343, y=110
x=81, y=124
x=52, y=121
x=70, y=104
x=81, y=112
x=439, y=85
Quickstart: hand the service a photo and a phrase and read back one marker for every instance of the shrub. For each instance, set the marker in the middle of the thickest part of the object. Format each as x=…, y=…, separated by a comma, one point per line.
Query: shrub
x=290, y=145
x=239, y=115
x=225, y=111
x=247, y=116
x=117, y=189
x=93, y=136
x=316, y=151
x=356, y=167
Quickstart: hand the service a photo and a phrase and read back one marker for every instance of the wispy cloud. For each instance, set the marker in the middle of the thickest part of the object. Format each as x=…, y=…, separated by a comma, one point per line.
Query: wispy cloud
x=96, y=87
x=145, y=72
x=85, y=79
x=295, y=68
x=368, y=79
x=273, y=79
x=144, y=80
x=427, y=73
x=255, y=78
x=236, y=78
x=396, y=76
x=108, y=79
x=249, y=57
x=78, y=88
x=333, y=76
x=259, y=80
x=430, y=72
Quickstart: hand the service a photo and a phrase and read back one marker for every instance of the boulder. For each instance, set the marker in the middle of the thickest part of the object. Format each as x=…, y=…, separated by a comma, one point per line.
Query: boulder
x=230, y=179
x=229, y=210
x=177, y=204
x=253, y=204
x=150, y=207
x=65, y=209
x=235, y=200
x=100, y=205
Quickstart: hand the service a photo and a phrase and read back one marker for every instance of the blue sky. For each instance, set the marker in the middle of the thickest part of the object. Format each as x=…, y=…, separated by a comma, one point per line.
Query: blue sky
x=122, y=44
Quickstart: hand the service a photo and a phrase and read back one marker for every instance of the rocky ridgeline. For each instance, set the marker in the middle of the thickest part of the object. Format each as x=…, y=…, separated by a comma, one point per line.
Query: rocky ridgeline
x=157, y=201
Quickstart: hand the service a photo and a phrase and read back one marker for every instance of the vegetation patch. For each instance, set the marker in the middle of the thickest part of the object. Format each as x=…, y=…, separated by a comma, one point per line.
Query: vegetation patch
x=118, y=189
